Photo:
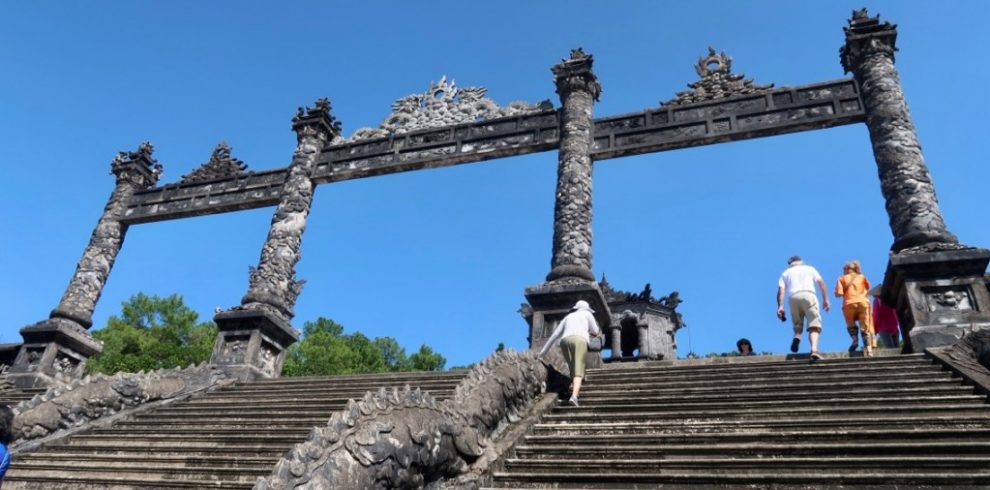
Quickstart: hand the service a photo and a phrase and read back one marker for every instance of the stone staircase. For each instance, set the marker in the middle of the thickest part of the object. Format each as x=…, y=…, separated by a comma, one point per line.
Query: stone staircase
x=224, y=439
x=884, y=422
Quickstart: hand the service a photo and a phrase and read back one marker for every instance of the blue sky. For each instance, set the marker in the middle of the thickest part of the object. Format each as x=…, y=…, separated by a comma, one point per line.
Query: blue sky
x=442, y=256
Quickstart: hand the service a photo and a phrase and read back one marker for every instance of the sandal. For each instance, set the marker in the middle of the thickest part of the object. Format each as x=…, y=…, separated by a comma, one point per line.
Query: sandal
x=795, y=344
x=815, y=356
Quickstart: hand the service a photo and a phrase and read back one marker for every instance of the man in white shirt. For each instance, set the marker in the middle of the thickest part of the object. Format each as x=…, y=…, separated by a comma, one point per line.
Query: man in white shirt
x=797, y=284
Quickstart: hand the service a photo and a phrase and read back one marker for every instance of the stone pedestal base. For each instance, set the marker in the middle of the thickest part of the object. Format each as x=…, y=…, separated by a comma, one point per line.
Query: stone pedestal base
x=53, y=350
x=939, y=294
x=552, y=301
x=251, y=344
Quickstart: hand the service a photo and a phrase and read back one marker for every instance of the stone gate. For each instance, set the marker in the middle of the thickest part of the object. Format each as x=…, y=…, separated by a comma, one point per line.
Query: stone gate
x=936, y=283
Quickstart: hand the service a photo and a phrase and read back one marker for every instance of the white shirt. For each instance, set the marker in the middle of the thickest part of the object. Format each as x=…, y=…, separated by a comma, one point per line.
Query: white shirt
x=580, y=322
x=798, y=277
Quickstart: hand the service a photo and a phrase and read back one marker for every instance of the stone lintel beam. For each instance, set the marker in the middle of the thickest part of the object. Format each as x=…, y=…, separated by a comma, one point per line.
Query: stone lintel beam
x=578, y=89
x=915, y=217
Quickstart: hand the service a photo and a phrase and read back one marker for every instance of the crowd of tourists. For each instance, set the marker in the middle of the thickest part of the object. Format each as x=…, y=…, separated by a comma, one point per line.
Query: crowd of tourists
x=865, y=319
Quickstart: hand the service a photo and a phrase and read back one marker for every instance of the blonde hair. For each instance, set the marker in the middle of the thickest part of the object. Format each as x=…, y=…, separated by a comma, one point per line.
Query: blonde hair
x=854, y=266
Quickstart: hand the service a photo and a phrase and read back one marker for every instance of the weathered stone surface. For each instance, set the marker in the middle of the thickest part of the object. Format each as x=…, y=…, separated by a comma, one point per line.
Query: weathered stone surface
x=406, y=439
x=134, y=170
x=578, y=89
x=970, y=357
x=89, y=399
x=444, y=104
x=717, y=81
x=220, y=166
x=915, y=217
x=273, y=285
x=642, y=323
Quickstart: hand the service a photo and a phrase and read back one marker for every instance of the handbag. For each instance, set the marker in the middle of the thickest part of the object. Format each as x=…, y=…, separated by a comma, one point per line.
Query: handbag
x=595, y=344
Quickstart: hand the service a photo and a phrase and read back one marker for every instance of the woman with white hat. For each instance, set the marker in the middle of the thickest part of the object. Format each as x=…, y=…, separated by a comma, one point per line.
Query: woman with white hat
x=574, y=332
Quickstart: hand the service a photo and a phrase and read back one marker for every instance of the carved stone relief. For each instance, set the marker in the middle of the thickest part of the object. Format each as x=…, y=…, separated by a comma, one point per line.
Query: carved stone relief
x=443, y=104
x=221, y=165
x=717, y=81
x=234, y=349
x=949, y=299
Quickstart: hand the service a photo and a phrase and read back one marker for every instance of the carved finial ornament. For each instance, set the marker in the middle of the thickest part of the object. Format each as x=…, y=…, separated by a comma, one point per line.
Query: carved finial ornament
x=867, y=36
x=316, y=120
x=444, y=104
x=221, y=165
x=575, y=74
x=717, y=81
x=137, y=167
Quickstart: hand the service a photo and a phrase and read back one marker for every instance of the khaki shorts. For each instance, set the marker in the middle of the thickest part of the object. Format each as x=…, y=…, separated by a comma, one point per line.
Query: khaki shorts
x=805, y=304
x=574, y=348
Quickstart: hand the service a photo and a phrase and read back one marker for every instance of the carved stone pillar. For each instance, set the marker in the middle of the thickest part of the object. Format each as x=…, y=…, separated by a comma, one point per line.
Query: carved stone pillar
x=62, y=343
x=578, y=89
x=932, y=280
x=253, y=336
x=570, y=278
x=616, y=340
x=915, y=218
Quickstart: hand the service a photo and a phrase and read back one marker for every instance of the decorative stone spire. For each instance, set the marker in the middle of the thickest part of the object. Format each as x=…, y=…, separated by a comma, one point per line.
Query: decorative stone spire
x=137, y=167
x=717, y=81
x=574, y=74
x=221, y=165
x=906, y=184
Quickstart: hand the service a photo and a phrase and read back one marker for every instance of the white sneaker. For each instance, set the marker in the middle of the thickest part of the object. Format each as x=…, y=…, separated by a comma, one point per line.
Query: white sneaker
x=574, y=402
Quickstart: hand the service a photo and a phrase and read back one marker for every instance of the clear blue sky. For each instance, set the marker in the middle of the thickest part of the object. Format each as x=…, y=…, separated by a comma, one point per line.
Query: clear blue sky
x=442, y=256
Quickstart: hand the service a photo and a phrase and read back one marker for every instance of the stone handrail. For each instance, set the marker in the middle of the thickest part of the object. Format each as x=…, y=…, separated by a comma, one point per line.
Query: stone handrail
x=77, y=405
x=406, y=438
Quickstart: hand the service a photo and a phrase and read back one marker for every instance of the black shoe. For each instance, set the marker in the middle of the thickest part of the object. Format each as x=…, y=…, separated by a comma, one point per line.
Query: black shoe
x=795, y=344
x=853, y=347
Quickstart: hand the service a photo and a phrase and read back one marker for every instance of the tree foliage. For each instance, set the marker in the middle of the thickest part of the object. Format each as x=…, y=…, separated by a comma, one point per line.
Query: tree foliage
x=153, y=333
x=325, y=349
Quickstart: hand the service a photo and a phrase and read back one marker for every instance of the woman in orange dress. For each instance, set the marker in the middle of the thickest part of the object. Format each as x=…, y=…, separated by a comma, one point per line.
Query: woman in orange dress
x=853, y=287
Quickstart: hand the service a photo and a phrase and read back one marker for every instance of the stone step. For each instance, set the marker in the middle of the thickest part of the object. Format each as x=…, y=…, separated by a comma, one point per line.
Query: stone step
x=771, y=383
x=83, y=470
x=889, y=449
x=903, y=465
x=109, y=461
x=766, y=479
x=951, y=430
x=287, y=412
x=169, y=431
x=169, y=440
x=584, y=414
x=155, y=424
x=839, y=425
x=14, y=481
x=236, y=402
x=768, y=388
x=642, y=398
x=804, y=369
x=253, y=391
x=730, y=365
x=361, y=379
x=259, y=450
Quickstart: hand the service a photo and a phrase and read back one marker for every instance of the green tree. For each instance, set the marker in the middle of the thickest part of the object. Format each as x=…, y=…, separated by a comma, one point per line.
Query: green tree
x=153, y=333
x=427, y=360
x=326, y=350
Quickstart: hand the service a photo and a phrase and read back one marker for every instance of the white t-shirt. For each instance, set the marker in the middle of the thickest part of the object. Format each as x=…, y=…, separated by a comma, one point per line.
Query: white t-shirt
x=799, y=277
x=580, y=322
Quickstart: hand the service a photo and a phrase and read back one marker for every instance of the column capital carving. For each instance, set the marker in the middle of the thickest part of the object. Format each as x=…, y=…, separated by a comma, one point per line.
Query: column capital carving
x=137, y=167
x=866, y=37
x=575, y=74
x=316, y=122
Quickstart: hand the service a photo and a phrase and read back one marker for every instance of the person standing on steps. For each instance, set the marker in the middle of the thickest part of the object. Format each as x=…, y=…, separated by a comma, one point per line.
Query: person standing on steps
x=6, y=437
x=852, y=287
x=885, y=324
x=574, y=332
x=797, y=284
x=745, y=347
